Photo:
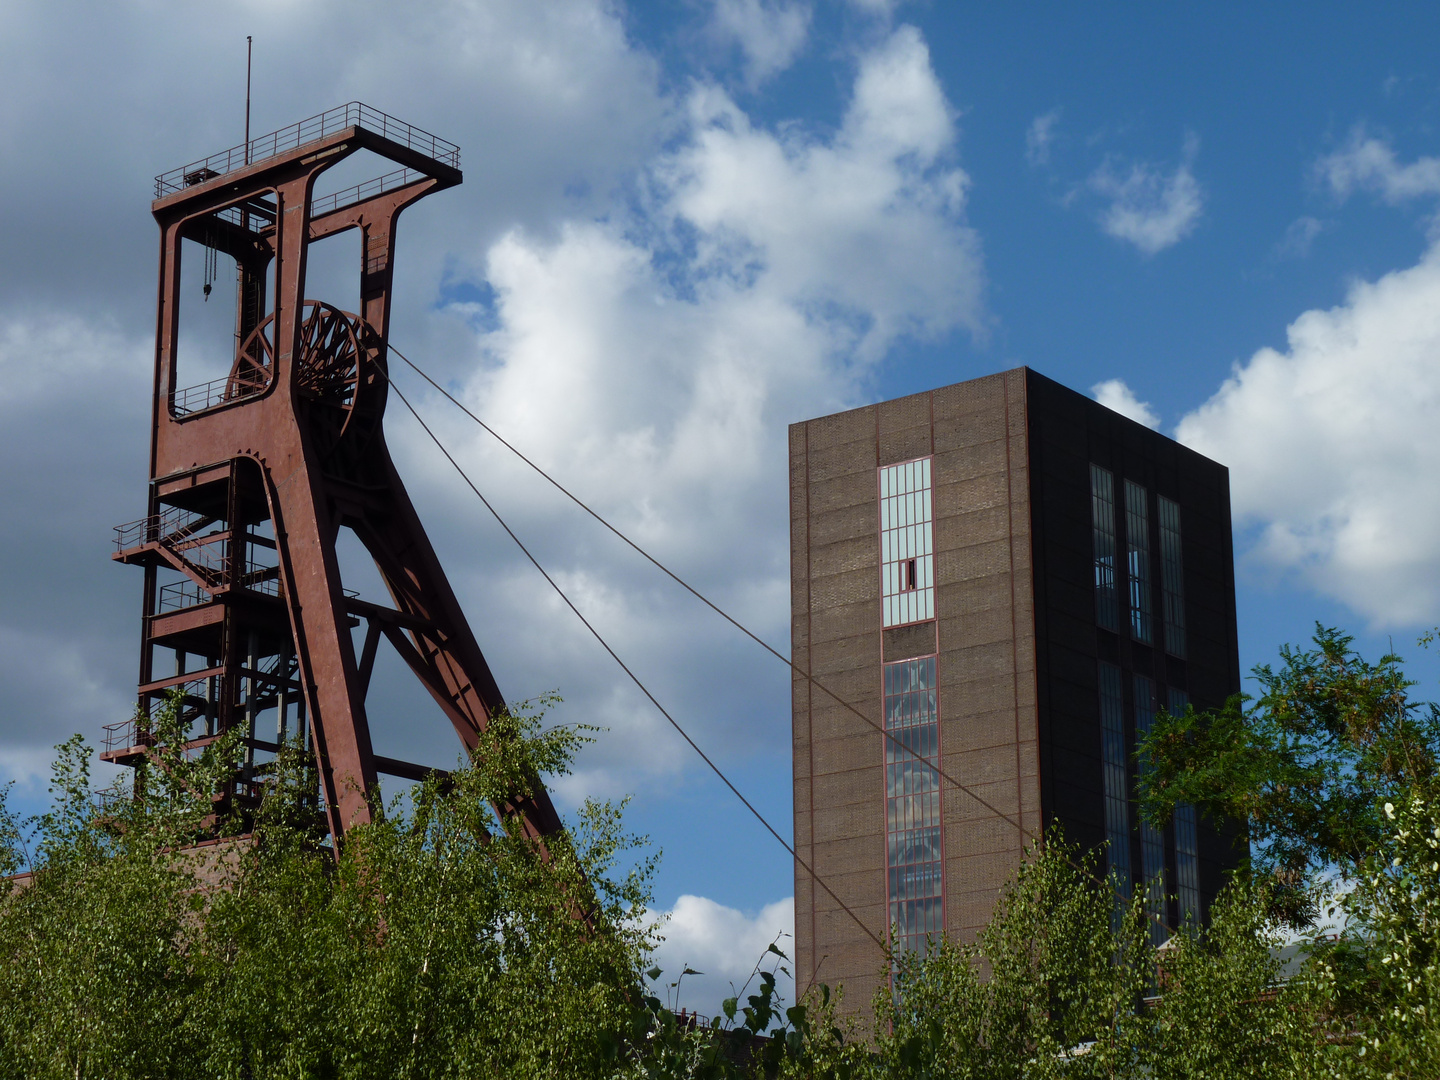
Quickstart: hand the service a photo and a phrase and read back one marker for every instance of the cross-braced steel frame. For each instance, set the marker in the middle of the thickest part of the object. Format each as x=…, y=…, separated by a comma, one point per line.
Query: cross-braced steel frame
x=253, y=475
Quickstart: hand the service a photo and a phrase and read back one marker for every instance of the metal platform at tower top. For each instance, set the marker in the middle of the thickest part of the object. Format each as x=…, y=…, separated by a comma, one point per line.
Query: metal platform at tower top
x=314, y=129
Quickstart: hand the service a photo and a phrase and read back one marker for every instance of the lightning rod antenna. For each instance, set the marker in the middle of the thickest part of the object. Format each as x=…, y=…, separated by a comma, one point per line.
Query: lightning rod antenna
x=249, y=46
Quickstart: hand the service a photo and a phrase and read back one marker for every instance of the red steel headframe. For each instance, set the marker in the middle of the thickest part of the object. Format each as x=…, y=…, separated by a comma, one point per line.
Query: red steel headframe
x=253, y=475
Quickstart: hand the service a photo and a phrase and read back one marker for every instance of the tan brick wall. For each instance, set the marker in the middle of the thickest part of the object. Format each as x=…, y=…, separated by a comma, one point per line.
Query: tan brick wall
x=977, y=434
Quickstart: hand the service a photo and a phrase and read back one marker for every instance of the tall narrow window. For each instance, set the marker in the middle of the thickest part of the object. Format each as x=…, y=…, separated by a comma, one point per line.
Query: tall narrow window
x=1116, y=775
x=1172, y=578
x=907, y=561
x=1152, y=840
x=1137, y=543
x=912, y=803
x=1102, y=515
x=1187, y=848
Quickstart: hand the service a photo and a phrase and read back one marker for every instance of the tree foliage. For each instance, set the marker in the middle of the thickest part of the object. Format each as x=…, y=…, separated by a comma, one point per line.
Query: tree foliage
x=1063, y=983
x=1381, y=983
x=1328, y=741
x=438, y=943
x=1050, y=988
x=151, y=941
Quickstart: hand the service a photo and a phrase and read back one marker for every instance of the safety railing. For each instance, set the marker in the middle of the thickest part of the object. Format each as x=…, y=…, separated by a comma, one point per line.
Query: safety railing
x=109, y=802
x=196, y=694
x=174, y=523
x=368, y=190
x=122, y=736
x=252, y=216
x=686, y=1019
x=220, y=391
x=262, y=579
x=179, y=595
x=312, y=129
x=200, y=700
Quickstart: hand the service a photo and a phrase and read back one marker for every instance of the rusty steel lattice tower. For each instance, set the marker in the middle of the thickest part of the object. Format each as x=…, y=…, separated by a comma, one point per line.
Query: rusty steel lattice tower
x=253, y=474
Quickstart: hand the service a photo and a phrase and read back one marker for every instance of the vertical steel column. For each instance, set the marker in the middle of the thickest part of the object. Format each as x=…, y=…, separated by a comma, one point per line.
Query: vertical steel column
x=251, y=647
x=282, y=703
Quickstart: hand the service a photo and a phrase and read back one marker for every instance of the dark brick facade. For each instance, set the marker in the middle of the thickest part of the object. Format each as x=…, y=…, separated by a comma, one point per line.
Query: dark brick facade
x=1015, y=637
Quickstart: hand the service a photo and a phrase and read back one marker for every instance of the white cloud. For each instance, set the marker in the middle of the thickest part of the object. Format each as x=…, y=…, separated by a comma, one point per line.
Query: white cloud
x=884, y=8
x=653, y=360
x=770, y=33
x=725, y=945
x=672, y=284
x=1149, y=208
x=1299, y=237
x=55, y=678
x=1333, y=444
x=50, y=355
x=1115, y=394
x=1038, y=137
x=1369, y=164
x=73, y=428
x=558, y=85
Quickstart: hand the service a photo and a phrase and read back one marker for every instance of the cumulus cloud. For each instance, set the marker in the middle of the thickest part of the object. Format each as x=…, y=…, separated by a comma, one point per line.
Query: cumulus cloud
x=724, y=945
x=1038, y=137
x=53, y=672
x=558, y=85
x=642, y=291
x=1148, y=207
x=1366, y=163
x=1115, y=394
x=1332, y=442
x=577, y=109
x=1299, y=236
x=769, y=33
x=71, y=432
x=654, y=358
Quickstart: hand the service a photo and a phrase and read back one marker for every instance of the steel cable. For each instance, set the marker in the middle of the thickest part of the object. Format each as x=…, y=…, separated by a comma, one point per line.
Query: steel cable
x=1025, y=834
x=633, y=677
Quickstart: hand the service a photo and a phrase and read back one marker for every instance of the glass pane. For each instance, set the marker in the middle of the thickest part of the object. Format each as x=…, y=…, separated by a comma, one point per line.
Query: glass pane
x=912, y=802
x=1172, y=577
x=906, y=533
x=1137, y=541
x=1152, y=840
x=1116, y=775
x=1102, y=512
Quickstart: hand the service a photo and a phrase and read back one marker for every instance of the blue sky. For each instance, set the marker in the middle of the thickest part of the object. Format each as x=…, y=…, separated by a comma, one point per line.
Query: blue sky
x=687, y=225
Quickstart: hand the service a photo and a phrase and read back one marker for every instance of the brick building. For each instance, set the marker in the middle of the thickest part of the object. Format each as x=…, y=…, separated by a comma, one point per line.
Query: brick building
x=1011, y=578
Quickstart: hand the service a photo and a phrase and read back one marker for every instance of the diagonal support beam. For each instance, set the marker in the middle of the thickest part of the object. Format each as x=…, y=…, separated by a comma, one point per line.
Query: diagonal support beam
x=426, y=674
x=367, y=656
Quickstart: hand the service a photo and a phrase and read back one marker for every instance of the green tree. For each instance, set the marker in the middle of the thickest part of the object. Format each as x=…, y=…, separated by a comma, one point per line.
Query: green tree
x=94, y=949
x=443, y=942
x=1221, y=1011
x=1381, y=982
x=1062, y=982
x=1048, y=989
x=1328, y=741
